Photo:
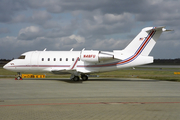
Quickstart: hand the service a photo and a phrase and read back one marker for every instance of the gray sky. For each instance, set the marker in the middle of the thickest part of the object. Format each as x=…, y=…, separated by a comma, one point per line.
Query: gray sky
x=27, y=25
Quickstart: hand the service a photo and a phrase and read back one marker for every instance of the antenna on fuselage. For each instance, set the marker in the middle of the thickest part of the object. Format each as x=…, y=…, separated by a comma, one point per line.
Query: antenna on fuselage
x=72, y=49
x=44, y=49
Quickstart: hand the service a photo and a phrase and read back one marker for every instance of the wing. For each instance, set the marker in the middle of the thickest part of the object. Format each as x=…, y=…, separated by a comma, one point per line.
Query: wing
x=71, y=69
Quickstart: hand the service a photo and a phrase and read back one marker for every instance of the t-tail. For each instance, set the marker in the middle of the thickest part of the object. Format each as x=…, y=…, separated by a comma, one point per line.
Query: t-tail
x=144, y=42
x=136, y=53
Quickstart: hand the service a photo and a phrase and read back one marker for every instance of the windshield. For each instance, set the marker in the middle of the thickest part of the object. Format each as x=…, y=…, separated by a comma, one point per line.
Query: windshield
x=21, y=57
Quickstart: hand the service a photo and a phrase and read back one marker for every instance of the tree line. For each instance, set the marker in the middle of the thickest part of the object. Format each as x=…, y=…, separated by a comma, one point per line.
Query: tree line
x=156, y=61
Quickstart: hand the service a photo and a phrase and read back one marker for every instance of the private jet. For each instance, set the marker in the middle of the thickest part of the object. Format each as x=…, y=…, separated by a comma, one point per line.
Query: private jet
x=80, y=64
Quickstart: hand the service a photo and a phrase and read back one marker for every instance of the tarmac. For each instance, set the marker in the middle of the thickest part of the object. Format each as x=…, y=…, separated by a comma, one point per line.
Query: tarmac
x=95, y=99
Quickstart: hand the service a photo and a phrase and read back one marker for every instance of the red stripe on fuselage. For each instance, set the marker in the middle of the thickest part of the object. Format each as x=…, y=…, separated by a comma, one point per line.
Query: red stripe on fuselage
x=111, y=64
x=131, y=58
x=139, y=51
x=75, y=63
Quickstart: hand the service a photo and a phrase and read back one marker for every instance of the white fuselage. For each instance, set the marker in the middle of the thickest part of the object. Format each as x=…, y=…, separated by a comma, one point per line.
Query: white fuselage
x=81, y=63
x=48, y=61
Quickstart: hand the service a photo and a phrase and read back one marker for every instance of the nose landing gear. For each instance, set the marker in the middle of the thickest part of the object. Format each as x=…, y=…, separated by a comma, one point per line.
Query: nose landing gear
x=18, y=76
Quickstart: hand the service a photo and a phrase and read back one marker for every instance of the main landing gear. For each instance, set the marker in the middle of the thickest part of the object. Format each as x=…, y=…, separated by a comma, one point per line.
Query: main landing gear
x=84, y=77
x=18, y=76
x=76, y=78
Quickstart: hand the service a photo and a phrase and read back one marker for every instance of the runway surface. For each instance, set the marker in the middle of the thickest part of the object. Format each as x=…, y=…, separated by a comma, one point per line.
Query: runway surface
x=96, y=99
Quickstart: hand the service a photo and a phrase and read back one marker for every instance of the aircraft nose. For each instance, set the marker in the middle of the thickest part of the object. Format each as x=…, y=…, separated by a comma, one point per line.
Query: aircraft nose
x=5, y=66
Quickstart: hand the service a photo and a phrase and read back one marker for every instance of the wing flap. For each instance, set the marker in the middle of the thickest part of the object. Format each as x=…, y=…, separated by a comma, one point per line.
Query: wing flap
x=65, y=71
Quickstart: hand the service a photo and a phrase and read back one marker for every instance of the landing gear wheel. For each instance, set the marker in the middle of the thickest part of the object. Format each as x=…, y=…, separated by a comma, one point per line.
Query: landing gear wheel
x=18, y=76
x=84, y=77
x=76, y=78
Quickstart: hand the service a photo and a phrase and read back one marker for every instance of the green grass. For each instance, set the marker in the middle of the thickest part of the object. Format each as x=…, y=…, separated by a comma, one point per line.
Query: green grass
x=6, y=72
x=147, y=73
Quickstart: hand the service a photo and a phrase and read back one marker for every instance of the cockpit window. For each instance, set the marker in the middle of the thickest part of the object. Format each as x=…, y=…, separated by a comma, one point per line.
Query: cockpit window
x=21, y=57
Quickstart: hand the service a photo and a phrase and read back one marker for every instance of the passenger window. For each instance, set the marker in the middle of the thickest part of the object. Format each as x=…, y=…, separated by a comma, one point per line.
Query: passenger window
x=72, y=59
x=42, y=59
x=60, y=59
x=48, y=59
x=54, y=59
x=21, y=57
x=66, y=59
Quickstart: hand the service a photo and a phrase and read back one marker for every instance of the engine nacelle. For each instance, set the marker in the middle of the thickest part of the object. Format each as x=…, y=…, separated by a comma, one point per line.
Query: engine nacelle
x=95, y=56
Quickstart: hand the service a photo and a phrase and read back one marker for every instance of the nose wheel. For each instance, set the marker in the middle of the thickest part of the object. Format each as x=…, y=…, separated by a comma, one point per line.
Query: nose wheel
x=18, y=76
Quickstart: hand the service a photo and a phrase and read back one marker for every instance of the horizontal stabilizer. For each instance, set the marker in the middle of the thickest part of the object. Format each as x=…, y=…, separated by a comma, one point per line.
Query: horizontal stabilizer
x=162, y=28
x=165, y=30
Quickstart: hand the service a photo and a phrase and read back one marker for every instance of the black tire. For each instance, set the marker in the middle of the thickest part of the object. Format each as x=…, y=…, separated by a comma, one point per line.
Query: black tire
x=18, y=78
x=76, y=78
x=84, y=77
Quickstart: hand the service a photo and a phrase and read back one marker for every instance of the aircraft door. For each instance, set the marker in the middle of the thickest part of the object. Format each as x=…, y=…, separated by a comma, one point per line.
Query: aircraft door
x=34, y=61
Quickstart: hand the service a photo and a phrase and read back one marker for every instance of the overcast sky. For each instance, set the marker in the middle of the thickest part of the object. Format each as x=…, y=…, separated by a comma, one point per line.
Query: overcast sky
x=27, y=25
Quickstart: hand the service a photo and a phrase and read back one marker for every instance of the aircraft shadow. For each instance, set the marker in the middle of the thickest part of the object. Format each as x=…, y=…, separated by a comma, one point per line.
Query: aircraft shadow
x=98, y=79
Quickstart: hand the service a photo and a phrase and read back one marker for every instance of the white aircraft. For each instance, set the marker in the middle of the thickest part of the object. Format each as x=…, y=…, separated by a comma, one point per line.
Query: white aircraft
x=82, y=63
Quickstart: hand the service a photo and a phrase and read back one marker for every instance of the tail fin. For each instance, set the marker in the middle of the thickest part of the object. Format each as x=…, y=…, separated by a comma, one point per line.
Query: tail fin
x=144, y=42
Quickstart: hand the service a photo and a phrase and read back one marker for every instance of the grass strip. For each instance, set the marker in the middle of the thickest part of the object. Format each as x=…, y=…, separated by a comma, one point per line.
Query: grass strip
x=166, y=74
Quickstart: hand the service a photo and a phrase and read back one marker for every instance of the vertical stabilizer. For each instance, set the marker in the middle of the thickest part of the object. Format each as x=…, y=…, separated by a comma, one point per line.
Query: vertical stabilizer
x=144, y=42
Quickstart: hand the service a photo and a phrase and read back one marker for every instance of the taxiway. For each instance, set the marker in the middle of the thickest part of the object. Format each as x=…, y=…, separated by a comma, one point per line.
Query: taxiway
x=130, y=98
